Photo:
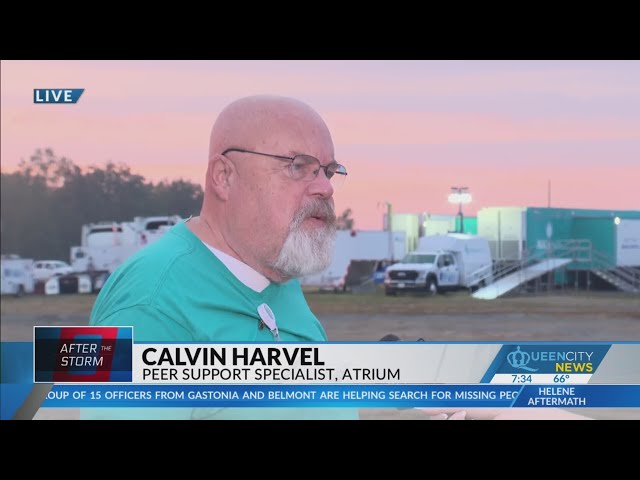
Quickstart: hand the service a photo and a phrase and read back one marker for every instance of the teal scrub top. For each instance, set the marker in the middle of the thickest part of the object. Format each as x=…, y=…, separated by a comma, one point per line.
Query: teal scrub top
x=176, y=290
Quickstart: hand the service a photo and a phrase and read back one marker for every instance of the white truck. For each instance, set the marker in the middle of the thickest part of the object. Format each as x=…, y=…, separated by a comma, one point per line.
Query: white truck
x=442, y=262
x=16, y=275
x=104, y=246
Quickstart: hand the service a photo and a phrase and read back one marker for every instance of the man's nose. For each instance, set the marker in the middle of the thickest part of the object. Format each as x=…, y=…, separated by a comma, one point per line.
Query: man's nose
x=321, y=185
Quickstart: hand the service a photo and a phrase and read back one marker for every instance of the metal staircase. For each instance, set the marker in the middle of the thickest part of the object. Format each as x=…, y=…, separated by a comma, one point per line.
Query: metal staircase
x=623, y=278
x=537, y=262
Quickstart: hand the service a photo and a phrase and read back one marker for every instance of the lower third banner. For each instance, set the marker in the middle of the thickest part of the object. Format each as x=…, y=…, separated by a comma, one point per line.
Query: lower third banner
x=357, y=396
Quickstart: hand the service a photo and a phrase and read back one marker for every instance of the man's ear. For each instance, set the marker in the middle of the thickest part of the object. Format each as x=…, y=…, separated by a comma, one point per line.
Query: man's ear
x=220, y=175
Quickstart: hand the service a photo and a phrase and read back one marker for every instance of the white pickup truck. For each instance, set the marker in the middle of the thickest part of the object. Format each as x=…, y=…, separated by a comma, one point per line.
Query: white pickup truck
x=442, y=262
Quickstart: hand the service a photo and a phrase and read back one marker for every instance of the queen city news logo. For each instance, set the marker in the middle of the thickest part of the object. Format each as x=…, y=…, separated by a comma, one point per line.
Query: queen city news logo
x=519, y=359
x=550, y=358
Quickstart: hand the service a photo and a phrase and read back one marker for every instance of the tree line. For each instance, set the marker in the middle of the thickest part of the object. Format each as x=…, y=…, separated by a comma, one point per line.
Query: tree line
x=45, y=202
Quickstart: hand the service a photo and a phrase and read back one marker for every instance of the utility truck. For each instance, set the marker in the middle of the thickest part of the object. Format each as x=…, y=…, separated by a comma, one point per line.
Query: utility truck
x=440, y=263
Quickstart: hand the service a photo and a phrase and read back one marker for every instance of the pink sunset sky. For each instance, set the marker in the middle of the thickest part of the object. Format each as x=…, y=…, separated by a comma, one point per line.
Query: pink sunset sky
x=406, y=130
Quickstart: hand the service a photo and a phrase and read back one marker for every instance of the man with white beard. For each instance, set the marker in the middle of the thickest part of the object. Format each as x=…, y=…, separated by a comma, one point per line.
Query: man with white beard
x=230, y=273
x=267, y=218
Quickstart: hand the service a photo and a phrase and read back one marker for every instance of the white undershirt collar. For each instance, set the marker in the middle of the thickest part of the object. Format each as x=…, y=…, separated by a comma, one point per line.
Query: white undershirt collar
x=243, y=272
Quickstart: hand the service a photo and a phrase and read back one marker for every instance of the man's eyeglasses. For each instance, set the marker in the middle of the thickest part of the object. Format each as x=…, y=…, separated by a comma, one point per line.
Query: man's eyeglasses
x=304, y=167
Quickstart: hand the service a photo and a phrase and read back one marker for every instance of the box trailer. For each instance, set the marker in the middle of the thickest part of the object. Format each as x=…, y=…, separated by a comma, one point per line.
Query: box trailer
x=105, y=245
x=16, y=275
x=376, y=245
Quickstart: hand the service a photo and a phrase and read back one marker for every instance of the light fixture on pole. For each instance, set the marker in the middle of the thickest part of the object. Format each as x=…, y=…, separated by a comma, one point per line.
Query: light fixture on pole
x=460, y=195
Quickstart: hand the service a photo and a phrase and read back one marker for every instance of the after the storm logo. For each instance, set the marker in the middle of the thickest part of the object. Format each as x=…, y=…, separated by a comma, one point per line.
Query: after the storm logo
x=83, y=354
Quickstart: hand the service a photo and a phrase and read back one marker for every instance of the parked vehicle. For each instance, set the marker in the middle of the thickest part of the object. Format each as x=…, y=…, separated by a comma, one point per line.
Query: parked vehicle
x=357, y=246
x=45, y=269
x=72, y=283
x=16, y=275
x=105, y=245
x=442, y=262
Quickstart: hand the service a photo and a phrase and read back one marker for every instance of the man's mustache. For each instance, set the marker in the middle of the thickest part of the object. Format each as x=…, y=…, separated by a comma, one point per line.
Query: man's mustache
x=317, y=208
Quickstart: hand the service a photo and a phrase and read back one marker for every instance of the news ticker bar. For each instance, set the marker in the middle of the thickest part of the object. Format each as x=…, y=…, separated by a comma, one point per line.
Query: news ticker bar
x=353, y=396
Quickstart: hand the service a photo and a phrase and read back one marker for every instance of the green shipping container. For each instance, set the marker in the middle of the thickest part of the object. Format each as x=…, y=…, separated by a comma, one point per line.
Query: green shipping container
x=596, y=226
x=602, y=234
x=470, y=225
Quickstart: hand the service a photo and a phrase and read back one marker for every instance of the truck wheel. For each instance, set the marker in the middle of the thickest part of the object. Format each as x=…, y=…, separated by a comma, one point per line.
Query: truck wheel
x=20, y=291
x=432, y=286
x=390, y=292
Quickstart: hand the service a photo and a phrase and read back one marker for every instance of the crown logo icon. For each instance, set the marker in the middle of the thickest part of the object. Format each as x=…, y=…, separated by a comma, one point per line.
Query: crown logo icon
x=520, y=359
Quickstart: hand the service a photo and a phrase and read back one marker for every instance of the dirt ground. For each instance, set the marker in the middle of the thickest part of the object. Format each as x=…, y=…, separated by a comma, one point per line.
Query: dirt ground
x=368, y=317
x=612, y=304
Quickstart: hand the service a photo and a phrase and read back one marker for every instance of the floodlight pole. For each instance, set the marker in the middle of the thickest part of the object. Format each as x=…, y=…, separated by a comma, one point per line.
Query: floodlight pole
x=459, y=191
x=390, y=226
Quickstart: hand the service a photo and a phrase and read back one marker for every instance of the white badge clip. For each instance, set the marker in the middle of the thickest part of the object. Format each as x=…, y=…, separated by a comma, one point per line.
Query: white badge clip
x=269, y=319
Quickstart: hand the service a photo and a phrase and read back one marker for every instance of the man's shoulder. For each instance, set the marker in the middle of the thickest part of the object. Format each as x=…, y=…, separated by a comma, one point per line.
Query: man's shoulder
x=174, y=245
x=154, y=262
x=148, y=273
